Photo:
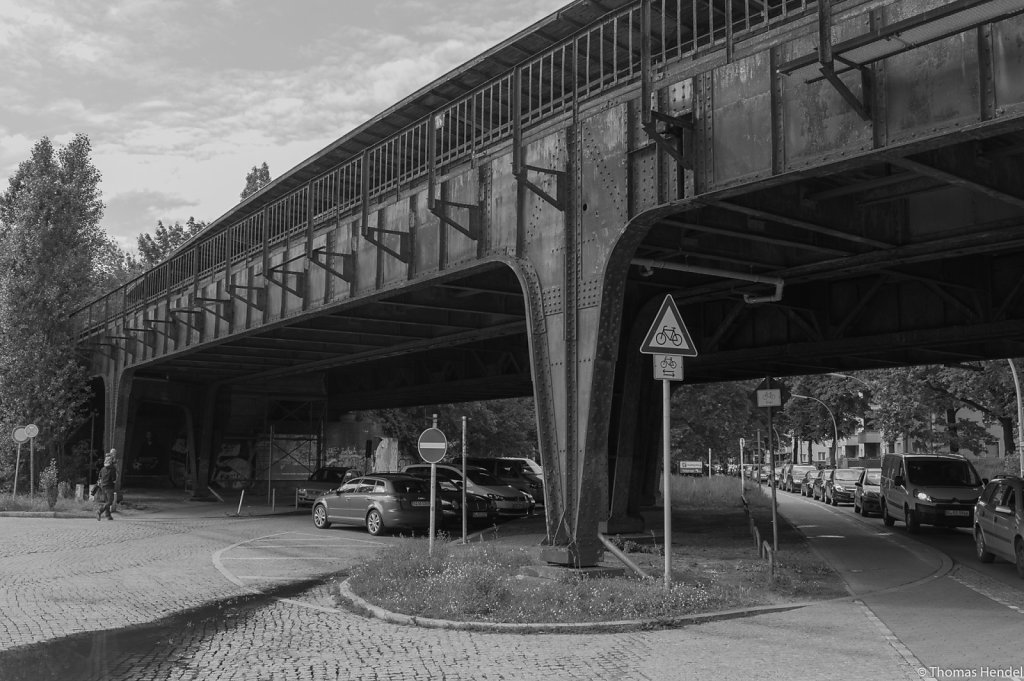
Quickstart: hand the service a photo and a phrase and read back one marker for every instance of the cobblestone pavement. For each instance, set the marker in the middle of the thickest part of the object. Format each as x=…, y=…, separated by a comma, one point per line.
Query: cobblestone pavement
x=62, y=577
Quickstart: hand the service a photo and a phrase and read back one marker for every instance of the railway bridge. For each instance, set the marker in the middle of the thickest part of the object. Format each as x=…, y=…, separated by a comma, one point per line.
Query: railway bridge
x=821, y=186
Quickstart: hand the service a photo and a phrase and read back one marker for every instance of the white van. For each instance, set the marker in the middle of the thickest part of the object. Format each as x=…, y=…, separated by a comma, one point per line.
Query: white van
x=929, y=489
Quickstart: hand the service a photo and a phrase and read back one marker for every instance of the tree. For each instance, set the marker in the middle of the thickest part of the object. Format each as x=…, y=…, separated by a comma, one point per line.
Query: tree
x=49, y=240
x=155, y=248
x=711, y=416
x=257, y=179
x=495, y=427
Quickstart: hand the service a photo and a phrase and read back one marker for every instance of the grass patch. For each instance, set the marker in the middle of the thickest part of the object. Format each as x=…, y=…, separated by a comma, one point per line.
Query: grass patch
x=37, y=503
x=481, y=582
x=715, y=566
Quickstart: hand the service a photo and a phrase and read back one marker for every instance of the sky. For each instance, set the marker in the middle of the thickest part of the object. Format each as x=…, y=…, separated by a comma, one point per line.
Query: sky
x=181, y=98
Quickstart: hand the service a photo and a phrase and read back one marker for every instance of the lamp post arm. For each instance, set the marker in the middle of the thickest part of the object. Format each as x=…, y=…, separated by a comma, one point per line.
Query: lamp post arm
x=835, y=426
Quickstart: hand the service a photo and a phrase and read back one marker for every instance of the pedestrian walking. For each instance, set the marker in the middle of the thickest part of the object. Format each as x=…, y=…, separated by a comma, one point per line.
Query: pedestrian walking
x=108, y=476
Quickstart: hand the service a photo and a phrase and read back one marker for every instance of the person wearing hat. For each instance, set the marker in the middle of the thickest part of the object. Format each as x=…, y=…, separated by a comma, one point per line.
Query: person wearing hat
x=108, y=476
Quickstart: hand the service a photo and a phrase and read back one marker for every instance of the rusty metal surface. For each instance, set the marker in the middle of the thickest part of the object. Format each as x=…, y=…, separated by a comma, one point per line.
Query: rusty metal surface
x=898, y=239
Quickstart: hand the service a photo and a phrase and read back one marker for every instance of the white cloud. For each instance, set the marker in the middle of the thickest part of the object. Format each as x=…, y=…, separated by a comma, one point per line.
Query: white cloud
x=181, y=97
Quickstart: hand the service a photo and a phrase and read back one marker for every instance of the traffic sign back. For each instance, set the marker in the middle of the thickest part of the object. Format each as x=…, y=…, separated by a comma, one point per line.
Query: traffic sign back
x=432, y=445
x=668, y=334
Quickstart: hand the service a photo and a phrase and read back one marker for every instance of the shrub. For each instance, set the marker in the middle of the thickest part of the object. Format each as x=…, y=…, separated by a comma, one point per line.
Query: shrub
x=49, y=484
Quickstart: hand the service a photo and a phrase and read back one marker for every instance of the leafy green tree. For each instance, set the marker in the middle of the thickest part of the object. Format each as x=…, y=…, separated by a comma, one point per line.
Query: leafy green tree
x=712, y=416
x=495, y=427
x=816, y=400
x=257, y=179
x=155, y=248
x=49, y=241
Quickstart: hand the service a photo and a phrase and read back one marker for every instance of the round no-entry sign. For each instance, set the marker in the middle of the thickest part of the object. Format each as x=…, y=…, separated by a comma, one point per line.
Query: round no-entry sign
x=432, y=445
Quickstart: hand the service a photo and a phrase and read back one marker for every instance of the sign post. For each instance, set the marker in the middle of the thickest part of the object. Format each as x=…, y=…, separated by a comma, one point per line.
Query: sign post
x=432, y=446
x=769, y=397
x=743, y=488
x=668, y=341
x=20, y=436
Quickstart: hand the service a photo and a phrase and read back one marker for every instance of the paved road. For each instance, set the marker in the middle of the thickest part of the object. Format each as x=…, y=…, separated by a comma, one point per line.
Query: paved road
x=79, y=584
x=949, y=616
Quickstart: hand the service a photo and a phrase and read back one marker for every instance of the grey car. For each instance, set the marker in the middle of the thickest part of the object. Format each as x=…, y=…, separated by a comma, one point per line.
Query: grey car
x=380, y=502
x=999, y=522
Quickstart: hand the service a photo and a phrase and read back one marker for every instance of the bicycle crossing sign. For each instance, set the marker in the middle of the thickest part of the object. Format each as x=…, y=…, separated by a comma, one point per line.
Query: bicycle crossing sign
x=668, y=334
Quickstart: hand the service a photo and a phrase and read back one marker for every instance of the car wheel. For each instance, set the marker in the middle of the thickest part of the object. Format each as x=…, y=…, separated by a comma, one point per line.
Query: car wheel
x=320, y=520
x=979, y=546
x=374, y=523
x=911, y=521
x=886, y=518
x=1018, y=552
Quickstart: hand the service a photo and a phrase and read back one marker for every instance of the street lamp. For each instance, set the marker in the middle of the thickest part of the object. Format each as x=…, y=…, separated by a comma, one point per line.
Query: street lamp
x=835, y=426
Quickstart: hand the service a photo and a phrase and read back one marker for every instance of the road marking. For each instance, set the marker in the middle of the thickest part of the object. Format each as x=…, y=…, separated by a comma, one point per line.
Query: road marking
x=987, y=594
x=896, y=643
x=300, y=557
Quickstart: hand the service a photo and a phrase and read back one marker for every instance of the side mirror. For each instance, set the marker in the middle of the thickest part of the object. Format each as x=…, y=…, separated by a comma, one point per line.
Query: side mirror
x=858, y=484
x=898, y=480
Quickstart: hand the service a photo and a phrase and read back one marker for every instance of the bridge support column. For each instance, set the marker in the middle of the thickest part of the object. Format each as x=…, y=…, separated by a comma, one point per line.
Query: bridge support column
x=118, y=410
x=575, y=257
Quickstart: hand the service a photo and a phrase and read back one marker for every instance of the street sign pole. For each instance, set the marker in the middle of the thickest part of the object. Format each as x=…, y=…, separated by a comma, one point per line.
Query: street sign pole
x=742, y=481
x=17, y=463
x=465, y=521
x=433, y=497
x=668, y=341
x=432, y=446
x=666, y=464
x=775, y=508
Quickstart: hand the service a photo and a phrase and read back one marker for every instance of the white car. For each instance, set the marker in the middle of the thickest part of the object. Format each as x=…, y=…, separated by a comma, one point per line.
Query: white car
x=508, y=500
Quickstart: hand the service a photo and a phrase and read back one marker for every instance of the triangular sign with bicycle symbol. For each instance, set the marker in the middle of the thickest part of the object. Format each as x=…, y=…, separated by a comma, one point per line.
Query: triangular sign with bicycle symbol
x=668, y=334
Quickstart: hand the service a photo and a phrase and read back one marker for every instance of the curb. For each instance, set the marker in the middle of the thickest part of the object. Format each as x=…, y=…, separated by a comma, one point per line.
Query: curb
x=559, y=627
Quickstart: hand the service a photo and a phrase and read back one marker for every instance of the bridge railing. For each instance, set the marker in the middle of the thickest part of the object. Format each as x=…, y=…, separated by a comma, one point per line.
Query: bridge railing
x=603, y=56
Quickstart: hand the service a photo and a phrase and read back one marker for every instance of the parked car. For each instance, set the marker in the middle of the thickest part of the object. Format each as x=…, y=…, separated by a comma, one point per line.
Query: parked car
x=380, y=502
x=818, y=484
x=807, y=484
x=840, y=484
x=323, y=479
x=513, y=472
x=479, y=509
x=508, y=500
x=867, y=494
x=999, y=522
x=793, y=476
x=929, y=489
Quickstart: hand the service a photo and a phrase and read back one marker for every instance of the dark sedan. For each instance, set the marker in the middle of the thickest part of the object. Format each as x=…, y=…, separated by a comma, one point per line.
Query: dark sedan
x=840, y=484
x=867, y=497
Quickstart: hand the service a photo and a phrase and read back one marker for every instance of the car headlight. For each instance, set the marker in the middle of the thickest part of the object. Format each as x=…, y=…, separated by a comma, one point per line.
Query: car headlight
x=529, y=497
x=839, y=488
x=494, y=496
x=922, y=496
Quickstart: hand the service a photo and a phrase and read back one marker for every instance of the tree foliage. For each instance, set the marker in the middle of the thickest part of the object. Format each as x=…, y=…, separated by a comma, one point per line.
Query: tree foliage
x=495, y=427
x=712, y=416
x=255, y=180
x=49, y=242
x=156, y=247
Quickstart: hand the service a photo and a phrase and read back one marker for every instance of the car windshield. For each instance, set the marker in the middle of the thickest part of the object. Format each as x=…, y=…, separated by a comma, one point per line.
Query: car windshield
x=942, y=473
x=873, y=477
x=483, y=478
x=411, y=486
x=848, y=474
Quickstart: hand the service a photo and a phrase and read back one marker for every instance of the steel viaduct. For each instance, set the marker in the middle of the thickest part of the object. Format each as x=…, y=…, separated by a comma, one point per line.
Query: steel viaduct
x=821, y=186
